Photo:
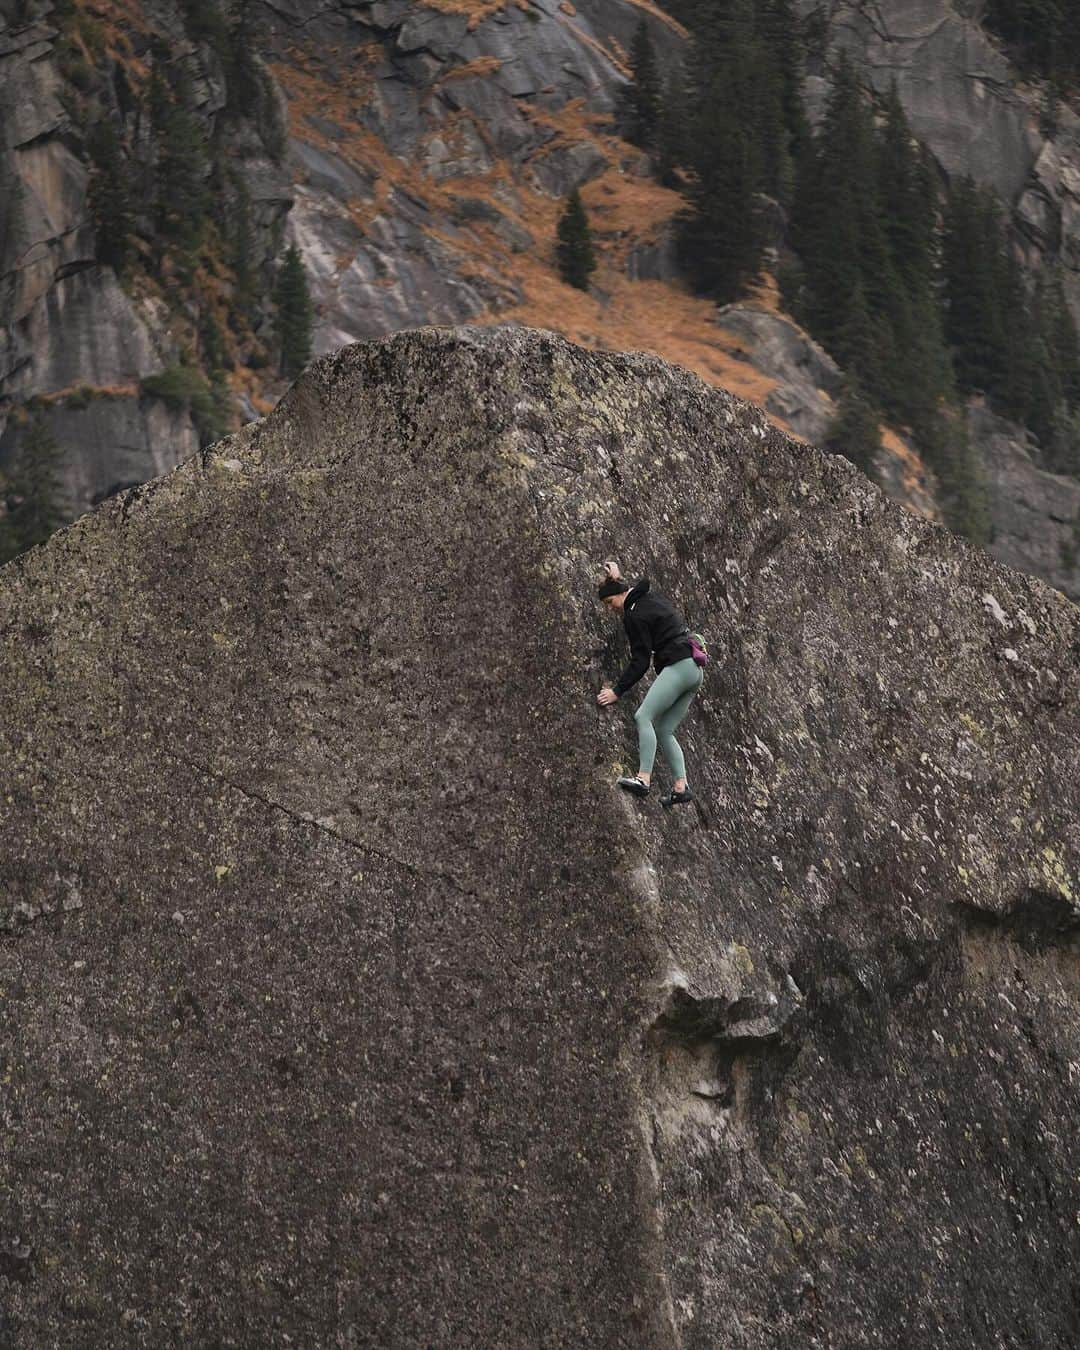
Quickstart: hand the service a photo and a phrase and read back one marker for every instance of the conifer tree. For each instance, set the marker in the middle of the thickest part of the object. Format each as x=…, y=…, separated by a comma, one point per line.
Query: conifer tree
x=974, y=322
x=241, y=251
x=671, y=133
x=720, y=234
x=181, y=167
x=965, y=496
x=642, y=97
x=294, y=313
x=916, y=372
x=1043, y=34
x=780, y=45
x=836, y=225
x=576, y=257
x=854, y=431
x=32, y=492
x=1058, y=331
x=109, y=196
x=1019, y=385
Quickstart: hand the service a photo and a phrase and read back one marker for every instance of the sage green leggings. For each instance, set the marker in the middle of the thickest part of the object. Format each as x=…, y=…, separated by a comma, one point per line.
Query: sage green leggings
x=661, y=711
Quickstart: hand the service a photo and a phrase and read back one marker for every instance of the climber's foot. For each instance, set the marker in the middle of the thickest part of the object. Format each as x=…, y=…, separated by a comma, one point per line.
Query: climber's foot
x=675, y=798
x=634, y=785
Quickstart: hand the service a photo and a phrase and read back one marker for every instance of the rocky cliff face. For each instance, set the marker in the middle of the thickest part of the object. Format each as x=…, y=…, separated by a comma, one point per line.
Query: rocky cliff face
x=345, y=1002
x=75, y=343
x=435, y=143
x=429, y=147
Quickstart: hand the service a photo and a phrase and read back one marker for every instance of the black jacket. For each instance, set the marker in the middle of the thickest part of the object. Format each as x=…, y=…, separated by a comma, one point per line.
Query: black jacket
x=655, y=628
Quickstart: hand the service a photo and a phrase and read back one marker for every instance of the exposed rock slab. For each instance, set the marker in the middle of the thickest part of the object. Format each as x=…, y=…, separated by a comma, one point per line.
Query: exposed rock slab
x=808, y=379
x=1035, y=515
x=335, y=964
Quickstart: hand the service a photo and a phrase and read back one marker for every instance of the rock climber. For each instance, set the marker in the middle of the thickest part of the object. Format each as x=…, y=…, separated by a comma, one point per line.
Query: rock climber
x=655, y=630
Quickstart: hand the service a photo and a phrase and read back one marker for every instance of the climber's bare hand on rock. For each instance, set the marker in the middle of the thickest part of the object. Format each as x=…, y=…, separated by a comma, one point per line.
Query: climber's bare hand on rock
x=606, y=696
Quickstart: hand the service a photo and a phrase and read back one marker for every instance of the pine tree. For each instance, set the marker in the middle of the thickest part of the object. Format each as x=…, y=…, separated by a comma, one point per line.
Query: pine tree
x=32, y=491
x=181, y=167
x=576, y=257
x=974, y=322
x=965, y=496
x=1057, y=328
x=854, y=431
x=294, y=313
x=242, y=255
x=671, y=133
x=1019, y=386
x=1043, y=34
x=109, y=196
x=642, y=97
x=836, y=225
x=916, y=374
x=780, y=50
x=720, y=234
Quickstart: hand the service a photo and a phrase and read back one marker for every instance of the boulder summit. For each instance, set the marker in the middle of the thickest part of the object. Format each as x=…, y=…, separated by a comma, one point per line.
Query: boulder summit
x=345, y=1002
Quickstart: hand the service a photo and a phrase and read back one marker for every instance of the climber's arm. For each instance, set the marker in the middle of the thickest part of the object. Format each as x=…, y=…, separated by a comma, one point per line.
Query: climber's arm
x=640, y=656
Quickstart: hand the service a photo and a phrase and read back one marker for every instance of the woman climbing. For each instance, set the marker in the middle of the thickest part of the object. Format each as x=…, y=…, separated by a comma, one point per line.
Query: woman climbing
x=655, y=629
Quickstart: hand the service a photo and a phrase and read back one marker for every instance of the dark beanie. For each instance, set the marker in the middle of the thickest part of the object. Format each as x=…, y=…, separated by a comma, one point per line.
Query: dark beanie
x=611, y=586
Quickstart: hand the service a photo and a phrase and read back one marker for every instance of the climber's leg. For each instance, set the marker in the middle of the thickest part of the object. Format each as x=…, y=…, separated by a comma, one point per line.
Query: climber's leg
x=689, y=675
x=668, y=687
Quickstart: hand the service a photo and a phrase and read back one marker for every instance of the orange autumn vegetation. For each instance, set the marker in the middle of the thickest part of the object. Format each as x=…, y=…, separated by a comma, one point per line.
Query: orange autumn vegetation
x=627, y=209
x=478, y=66
x=587, y=40
x=913, y=475
x=477, y=10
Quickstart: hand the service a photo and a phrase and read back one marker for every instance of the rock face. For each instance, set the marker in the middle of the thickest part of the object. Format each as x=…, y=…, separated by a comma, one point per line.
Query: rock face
x=71, y=335
x=809, y=380
x=440, y=133
x=346, y=1003
x=1035, y=514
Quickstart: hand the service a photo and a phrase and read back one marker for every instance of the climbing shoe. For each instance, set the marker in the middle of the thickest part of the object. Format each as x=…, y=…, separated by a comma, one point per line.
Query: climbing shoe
x=674, y=798
x=634, y=785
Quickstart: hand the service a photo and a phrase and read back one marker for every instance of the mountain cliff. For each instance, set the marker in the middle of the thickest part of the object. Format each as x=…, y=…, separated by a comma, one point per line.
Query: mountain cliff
x=417, y=153
x=345, y=1001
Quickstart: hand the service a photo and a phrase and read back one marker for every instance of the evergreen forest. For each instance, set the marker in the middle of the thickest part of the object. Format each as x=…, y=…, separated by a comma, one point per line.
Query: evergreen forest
x=909, y=281
x=1042, y=36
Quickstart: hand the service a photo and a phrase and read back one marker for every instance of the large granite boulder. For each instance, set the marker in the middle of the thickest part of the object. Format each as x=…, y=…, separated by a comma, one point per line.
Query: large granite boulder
x=345, y=1002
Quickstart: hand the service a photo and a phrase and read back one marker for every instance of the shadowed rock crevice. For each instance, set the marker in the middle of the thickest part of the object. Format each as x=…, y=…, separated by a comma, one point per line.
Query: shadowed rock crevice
x=1037, y=920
